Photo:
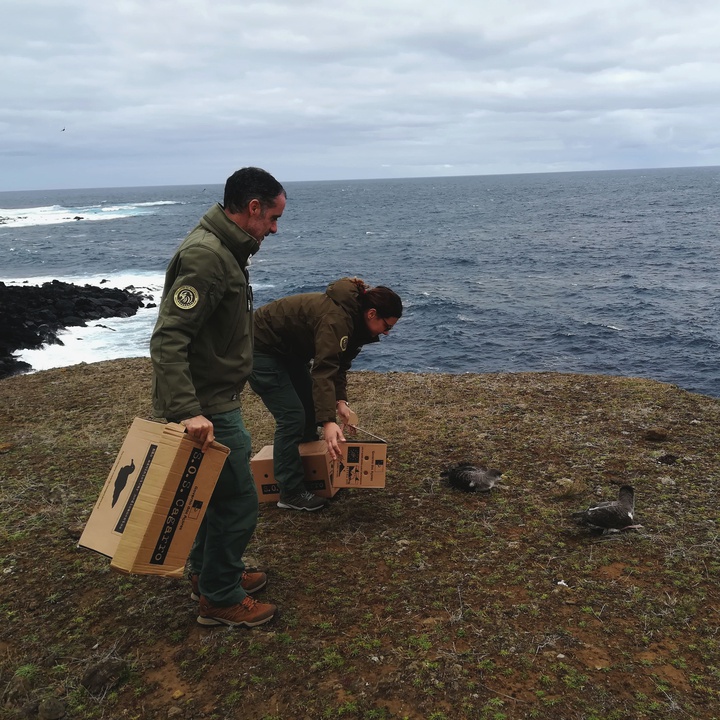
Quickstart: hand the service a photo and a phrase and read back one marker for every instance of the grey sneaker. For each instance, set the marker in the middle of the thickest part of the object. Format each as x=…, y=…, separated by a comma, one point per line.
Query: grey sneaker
x=304, y=500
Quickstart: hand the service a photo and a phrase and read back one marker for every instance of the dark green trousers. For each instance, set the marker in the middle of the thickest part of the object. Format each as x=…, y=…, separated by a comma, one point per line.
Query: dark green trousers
x=230, y=518
x=286, y=389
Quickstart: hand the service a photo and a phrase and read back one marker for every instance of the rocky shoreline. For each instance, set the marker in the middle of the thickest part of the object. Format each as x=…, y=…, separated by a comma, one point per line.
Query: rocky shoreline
x=33, y=315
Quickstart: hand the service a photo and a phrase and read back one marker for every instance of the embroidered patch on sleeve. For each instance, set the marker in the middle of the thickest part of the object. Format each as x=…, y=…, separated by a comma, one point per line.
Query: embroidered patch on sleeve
x=186, y=297
x=343, y=343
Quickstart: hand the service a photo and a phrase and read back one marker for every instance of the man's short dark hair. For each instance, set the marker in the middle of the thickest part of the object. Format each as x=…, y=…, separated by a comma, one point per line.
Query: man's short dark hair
x=248, y=184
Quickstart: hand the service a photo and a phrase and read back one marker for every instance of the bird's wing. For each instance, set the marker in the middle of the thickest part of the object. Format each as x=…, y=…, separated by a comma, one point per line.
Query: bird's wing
x=609, y=515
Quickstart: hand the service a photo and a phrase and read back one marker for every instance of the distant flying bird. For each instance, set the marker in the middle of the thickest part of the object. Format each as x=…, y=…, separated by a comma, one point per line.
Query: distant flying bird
x=471, y=478
x=612, y=514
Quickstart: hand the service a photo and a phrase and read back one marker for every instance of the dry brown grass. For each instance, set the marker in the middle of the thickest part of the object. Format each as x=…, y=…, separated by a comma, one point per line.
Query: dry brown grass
x=415, y=601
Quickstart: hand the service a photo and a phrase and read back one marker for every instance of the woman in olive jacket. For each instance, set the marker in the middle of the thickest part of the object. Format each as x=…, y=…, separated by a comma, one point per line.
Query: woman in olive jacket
x=304, y=346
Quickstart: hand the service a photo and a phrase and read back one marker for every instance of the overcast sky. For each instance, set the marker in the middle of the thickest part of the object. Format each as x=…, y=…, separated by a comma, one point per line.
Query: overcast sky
x=100, y=93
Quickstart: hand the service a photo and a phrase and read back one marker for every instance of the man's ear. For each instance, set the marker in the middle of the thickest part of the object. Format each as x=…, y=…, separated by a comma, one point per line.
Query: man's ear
x=254, y=207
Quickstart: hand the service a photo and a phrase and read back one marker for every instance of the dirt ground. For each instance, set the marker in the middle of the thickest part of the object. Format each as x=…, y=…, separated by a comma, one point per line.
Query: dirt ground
x=414, y=601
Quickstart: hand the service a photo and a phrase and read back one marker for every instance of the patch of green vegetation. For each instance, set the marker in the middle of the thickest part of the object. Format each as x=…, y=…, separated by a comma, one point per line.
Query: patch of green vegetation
x=434, y=599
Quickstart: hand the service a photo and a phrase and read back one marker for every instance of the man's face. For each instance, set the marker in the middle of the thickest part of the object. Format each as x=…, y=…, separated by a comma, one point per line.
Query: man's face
x=263, y=220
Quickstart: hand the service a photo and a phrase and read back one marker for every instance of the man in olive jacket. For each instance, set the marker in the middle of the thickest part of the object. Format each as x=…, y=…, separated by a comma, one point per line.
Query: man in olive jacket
x=201, y=352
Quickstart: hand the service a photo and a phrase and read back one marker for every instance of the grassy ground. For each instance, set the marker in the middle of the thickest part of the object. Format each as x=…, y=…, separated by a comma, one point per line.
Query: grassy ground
x=415, y=601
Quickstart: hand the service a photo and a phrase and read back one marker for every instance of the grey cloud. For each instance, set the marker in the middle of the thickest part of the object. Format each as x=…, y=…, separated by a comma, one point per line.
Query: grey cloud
x=351, y=88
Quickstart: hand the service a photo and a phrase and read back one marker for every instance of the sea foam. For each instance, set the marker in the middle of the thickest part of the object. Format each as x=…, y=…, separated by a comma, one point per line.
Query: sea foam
x=57, y=214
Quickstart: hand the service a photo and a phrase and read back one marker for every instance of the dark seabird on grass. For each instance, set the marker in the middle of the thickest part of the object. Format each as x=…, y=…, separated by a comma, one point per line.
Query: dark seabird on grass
x=611, y=515
x=471, y=478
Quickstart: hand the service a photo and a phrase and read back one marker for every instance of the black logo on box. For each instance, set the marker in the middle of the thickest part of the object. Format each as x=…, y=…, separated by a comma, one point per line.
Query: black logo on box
x=121, y=480
x=314, y=485
x=353, y=454
x=125, y=514
x=194, y=509
x=176, y=508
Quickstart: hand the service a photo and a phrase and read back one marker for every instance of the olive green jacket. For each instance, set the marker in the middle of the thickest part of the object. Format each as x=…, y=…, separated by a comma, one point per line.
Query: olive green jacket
x=201, y=347
x=325, y=328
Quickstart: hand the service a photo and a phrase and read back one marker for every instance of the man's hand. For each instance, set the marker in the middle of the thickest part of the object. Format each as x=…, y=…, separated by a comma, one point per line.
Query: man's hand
x=200, y=429
x=333, y=435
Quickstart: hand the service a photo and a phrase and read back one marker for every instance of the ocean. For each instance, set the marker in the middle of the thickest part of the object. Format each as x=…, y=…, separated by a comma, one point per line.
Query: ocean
x=590, y=272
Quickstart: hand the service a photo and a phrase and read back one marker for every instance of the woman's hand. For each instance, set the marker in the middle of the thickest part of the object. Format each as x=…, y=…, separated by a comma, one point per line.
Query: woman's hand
x=333, y=435
x=344, y=412
x=348, y=417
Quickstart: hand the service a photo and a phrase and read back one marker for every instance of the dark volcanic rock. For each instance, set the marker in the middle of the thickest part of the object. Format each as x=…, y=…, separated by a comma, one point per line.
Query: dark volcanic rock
x=32, y=316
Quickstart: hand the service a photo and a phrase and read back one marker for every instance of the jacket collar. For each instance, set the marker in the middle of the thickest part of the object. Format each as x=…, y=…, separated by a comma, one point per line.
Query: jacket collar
x=241, y=244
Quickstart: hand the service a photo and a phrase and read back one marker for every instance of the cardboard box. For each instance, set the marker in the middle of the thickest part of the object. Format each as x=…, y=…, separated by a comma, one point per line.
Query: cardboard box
x=154, y=499
x=316, y=464
x=363, y=462
x=362, y=465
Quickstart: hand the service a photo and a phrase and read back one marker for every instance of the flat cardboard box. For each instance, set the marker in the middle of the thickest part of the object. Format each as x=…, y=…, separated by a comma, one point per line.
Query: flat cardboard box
x=154, y=499
x=316, y=464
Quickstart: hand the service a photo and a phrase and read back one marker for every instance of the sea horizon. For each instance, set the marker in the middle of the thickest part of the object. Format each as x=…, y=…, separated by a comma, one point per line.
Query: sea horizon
x=597, y=272
x=366, y=179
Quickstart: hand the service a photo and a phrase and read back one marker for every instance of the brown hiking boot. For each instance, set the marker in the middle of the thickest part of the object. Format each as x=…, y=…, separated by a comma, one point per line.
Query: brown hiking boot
x=252, y=582
x=249, y=613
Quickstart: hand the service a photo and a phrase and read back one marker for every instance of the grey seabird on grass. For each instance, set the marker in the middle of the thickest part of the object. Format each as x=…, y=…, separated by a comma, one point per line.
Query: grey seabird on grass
x=612, y=514
x=471, y=478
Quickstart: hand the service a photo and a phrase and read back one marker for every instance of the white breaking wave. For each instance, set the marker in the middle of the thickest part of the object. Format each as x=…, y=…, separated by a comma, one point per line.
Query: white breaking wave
x=149, y=283
x=106, y=338
x=57, y=214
